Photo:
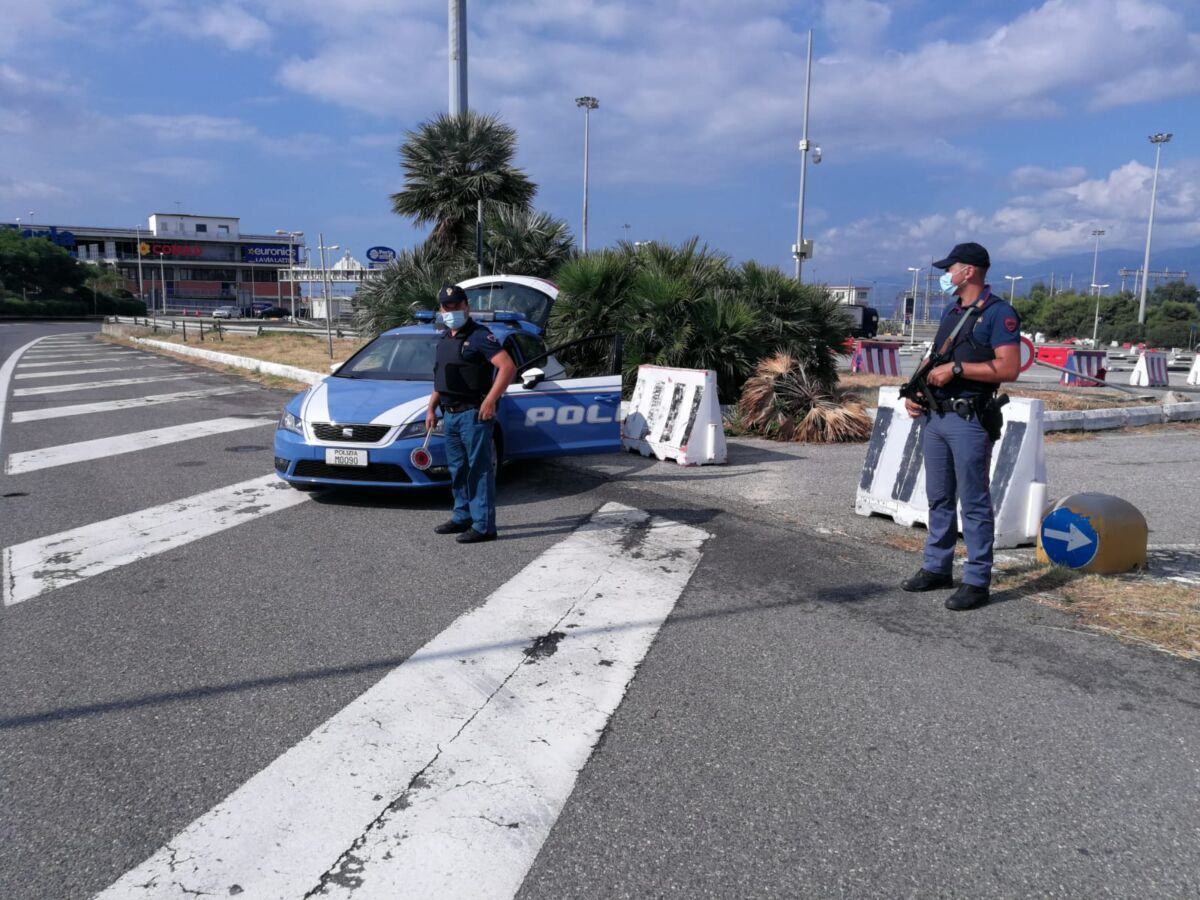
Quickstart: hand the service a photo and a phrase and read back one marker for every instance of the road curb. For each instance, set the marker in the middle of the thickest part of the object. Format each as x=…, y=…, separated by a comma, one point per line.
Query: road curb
x=1112, y=418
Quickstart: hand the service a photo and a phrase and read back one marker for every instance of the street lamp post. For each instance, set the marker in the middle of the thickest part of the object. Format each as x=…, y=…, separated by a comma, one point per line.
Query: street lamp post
x=587, y=104
x=916, y=270
x=1099, y=288
x=138, y=247
x=1157, y=140
x=292, y=261
x=1012, y=286
x=162, y=279
x=1097, y=233
x=325, y=291
x=798, y=250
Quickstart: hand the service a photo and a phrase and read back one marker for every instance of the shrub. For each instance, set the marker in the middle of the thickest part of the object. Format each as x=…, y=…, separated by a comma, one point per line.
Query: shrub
x=785, y=402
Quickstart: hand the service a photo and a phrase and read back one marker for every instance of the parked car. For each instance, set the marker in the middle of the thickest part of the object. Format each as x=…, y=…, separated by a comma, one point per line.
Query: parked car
x=226, y=312
x=272, y=312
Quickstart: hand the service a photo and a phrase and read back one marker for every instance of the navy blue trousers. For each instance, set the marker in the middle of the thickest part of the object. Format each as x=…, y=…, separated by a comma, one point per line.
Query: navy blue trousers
x=472, y=478
x=958, y=457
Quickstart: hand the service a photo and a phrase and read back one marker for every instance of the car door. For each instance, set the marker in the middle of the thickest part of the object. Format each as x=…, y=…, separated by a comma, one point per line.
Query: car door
x=573, y=407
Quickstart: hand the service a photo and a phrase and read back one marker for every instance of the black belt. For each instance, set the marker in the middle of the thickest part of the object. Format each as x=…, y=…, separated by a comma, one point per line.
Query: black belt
x=963, y=406
x=458, y=407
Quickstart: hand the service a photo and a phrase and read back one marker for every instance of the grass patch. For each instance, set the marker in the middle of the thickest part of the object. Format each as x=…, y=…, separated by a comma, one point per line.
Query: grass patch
x=270, y=381
x=867, y=386
x=305, y=351
x=1136, y=608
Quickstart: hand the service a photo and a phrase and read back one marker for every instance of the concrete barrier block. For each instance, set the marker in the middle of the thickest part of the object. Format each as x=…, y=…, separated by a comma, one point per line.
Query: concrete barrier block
x=1181, y=412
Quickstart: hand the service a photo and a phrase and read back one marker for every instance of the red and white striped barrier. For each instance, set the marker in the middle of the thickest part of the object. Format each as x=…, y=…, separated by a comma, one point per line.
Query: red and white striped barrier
x=876, y=358
x=1194, y=373
x=1085, y=362
x=1151, y=370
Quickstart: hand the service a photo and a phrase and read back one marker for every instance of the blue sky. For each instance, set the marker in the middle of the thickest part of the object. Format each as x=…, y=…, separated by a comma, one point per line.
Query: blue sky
x=1022, y=125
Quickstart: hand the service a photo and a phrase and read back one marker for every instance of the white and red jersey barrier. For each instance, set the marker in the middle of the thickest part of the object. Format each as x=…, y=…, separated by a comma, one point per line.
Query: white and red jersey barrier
x=675, y=414
x=1151, y=370
x=876, y=358
x=892, y=482
x=1194, y=372
x=1085, y=362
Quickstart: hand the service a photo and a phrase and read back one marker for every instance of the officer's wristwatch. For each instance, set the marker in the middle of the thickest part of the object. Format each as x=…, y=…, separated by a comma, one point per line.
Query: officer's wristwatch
x=957, y=369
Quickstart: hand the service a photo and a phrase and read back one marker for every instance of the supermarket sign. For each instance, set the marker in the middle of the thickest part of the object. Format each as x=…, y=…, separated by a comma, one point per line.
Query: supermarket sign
x=271, y=254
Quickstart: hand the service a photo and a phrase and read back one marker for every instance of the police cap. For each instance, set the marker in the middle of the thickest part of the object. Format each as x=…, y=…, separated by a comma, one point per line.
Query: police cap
x=971, y=254
x=451, y=293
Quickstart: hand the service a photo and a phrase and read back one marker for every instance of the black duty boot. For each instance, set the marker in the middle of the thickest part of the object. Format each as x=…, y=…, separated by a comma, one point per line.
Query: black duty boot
x=471, y=536
x=452, y=527
x=968, y=596
x=925, y=580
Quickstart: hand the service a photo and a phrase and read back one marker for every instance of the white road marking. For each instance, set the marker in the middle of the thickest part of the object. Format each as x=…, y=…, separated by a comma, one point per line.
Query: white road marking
x=79, y=409
x=59, y=362
x=445, y=777
x=93, y=385
x=57, y=560
x=99, y=448
x=79, y=354
x=61, y=372
x=6, y=373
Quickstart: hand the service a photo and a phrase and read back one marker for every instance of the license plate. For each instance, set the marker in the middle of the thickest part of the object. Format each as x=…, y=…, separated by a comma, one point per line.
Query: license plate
x=340, y=456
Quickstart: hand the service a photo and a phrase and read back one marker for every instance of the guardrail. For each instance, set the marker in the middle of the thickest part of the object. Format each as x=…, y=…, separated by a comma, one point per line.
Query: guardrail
x=199, y=323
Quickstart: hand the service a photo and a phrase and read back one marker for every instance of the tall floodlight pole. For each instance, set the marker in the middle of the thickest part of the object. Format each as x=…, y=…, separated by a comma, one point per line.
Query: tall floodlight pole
x=1012, y=285
x=916, y=270
x=1157, y=140
x=162, y=280
x=798, y=251
x=325, y=291
x=458, y=57
x=1097, y=233
x=587, y=104
x=1096, y=321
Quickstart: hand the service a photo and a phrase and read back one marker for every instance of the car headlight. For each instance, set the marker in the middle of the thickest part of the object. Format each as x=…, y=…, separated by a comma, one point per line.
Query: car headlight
x=417, y=429
x=288, y=422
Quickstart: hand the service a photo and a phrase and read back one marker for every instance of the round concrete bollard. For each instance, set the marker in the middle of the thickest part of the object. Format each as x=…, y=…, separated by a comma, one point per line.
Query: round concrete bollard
x=1093, y=533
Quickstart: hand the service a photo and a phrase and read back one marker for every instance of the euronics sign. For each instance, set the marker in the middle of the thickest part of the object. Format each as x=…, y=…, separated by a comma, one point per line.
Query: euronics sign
x=277, y=254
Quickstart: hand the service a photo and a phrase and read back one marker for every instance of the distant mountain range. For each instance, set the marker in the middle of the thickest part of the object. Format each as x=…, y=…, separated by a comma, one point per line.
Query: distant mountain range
x=1073, y=269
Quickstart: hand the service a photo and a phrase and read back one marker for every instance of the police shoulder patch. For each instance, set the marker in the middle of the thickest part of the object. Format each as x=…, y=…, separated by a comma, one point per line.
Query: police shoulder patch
x=491, y=337
x=1010, y=324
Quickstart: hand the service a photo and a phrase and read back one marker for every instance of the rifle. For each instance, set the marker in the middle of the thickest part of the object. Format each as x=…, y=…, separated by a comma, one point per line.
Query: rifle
x=917, y=388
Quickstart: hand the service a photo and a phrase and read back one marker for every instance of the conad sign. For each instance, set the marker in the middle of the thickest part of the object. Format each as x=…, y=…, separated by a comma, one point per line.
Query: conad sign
x=171, y=249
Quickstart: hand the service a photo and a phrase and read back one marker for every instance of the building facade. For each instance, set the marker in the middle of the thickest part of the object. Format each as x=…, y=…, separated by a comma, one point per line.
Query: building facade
x=188, y=263
x=850, y=294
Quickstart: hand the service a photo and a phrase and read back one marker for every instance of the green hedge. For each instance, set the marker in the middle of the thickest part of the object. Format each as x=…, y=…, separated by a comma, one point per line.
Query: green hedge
x=15, y=306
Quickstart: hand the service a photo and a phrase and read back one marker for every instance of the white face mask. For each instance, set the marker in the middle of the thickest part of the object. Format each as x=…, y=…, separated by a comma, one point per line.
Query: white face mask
x=946, y=283
x=454, y=320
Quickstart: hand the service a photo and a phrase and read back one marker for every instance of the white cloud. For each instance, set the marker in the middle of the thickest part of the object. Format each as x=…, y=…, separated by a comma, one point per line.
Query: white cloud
x=179, y=168
x=192, y=127
x=856, y=23
x=1038, y=177
x=20, y=190
x=229, y=23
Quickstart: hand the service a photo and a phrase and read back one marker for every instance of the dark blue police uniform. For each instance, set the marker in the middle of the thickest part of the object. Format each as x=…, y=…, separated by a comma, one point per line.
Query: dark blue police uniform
x=463, y=374
x=958, y=451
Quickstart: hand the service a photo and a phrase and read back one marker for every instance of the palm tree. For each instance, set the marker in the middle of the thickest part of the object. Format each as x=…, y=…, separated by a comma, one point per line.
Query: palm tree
x=408, y=283
x=521, y=241
x=453, y=162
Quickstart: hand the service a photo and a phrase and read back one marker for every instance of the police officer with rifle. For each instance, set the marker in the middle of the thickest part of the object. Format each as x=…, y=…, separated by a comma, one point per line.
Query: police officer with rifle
x=953, y=393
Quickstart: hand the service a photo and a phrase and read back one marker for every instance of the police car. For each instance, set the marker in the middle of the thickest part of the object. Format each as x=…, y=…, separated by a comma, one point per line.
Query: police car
x=361, y=424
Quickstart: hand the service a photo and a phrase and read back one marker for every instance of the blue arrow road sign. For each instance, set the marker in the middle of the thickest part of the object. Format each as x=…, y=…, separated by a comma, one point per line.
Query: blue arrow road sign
x=1069, y=539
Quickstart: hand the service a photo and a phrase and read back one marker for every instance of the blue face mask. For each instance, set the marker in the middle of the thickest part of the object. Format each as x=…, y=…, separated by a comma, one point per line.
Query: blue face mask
x=946, y=283
x=455, y=320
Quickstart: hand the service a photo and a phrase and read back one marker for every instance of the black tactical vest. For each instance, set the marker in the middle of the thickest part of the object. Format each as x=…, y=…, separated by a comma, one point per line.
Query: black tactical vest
x=457, y=379
x=966, y=350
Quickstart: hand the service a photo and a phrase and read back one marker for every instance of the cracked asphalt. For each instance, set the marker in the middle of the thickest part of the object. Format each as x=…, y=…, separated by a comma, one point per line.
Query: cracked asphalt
x=798, y=728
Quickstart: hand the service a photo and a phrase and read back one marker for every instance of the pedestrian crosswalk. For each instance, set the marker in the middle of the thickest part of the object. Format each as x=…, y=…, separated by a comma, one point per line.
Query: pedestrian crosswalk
x=445, y=778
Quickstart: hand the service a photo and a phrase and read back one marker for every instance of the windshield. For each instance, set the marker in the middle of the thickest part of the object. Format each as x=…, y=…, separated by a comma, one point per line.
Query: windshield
x=394, y=357
x=505, y=296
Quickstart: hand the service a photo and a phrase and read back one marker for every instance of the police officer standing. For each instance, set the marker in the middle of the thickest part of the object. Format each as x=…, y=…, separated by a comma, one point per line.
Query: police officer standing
x=471, y=373
x=961, y=423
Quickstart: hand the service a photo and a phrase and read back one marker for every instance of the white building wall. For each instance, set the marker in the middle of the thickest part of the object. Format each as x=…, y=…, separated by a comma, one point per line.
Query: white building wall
x=212, y=228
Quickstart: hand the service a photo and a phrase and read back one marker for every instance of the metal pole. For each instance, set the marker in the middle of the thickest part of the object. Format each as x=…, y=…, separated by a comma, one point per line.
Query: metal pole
x=587, y=119
x=138, y=247
x=325, y=295
x=1157, y=140
x=458, y=57
x=162, y=280
x=799, y=251
x=479, y=236
x=1096, y=233
x=913, y=332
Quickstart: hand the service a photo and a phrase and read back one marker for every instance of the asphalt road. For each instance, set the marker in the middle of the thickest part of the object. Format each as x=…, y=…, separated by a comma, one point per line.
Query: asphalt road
x=797, y=728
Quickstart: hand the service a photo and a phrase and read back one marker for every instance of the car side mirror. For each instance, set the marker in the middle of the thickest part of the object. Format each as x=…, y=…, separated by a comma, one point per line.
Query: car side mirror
x=531, y=378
